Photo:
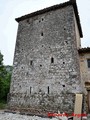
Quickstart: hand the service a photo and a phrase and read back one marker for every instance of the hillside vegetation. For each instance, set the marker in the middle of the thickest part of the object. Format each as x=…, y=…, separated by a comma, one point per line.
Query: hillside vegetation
x=5, y=78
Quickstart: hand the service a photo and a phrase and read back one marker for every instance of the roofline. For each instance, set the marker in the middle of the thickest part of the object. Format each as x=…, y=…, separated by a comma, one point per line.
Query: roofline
x=58, y=6
x=84, y=50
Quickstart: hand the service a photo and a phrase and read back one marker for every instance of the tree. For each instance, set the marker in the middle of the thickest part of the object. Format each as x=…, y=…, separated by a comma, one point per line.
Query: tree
x=5, y=78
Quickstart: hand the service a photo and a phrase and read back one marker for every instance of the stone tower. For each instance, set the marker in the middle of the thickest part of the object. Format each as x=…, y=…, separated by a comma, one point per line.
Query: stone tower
x=46, y=74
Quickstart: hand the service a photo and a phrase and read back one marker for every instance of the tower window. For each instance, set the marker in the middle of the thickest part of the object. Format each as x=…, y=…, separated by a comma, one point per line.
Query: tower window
x=27, y=73
x=66, y=42
x=22, y=67
x=42, y=19
x=28, y=21
x=63, y=85
x=48, y=89
x=52, y=60
x=40, y=65
x=30, y=90
x=88, y=63
x=31, y=62
x=42, y=34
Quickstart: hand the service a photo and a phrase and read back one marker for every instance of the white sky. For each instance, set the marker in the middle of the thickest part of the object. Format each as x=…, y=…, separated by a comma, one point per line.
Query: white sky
x=11, y=9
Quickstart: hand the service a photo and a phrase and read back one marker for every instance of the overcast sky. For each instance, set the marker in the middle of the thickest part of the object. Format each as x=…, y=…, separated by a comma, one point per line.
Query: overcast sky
x=11, y=9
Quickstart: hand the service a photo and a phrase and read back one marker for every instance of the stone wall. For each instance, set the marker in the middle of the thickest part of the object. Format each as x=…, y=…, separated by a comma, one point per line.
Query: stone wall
x=85, y=71
x=46, y=71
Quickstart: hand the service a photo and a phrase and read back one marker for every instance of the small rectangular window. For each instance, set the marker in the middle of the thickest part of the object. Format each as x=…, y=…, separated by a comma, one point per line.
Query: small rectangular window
x=31, y=62
x=48, y=89
x=30, y=89
x=88, y=63
x=52, y=60
x=42, y=34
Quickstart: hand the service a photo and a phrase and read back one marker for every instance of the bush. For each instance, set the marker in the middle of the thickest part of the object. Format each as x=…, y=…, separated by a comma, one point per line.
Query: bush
x=5, y=77
x=3, y=104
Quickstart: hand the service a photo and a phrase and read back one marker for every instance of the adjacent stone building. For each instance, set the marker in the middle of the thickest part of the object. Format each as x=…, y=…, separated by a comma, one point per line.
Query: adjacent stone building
x=84, y=54
x=47, y=74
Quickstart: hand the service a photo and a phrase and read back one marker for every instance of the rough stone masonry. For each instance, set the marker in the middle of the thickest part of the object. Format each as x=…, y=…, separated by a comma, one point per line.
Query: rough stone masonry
x=46, y=74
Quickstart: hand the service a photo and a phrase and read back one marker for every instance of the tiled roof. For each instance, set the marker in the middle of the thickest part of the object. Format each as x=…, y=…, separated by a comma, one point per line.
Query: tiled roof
x=71, y=2
x=84, y=50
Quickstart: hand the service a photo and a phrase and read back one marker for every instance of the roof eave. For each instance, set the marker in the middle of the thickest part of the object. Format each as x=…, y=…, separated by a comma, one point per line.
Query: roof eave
x=84, y=50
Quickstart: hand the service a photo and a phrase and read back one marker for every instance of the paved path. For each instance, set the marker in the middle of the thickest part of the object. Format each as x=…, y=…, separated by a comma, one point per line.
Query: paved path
x=11, y=116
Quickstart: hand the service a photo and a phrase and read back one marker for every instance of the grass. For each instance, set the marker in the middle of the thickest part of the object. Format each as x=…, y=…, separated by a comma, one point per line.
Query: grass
x=3, y=105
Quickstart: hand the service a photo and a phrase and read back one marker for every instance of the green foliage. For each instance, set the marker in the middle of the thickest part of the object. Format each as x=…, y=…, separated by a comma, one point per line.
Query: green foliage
x=5, y=77
x=3, y=104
